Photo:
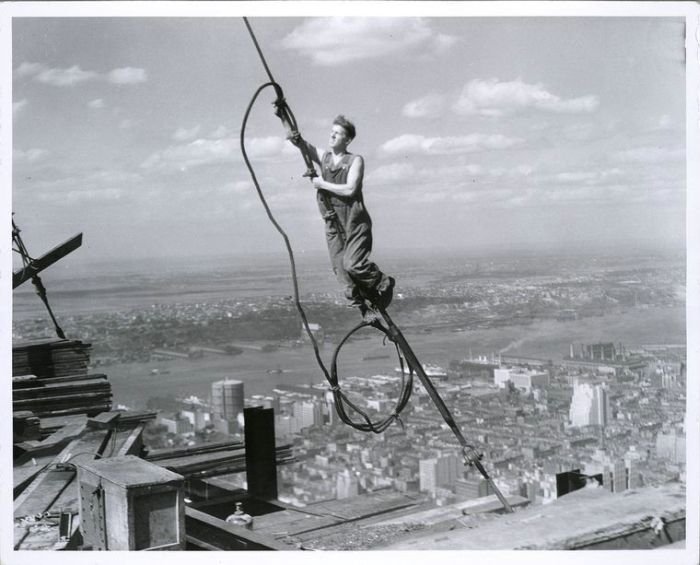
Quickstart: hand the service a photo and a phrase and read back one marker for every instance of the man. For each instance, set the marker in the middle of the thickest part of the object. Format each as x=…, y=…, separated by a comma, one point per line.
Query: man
x=348, y=225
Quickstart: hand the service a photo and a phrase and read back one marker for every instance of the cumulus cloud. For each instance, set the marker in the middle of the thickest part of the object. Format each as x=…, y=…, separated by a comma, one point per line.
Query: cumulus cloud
x=29, y=155
x=127, y=75
x=219, y=132
x=78, y=196
x=184, y=134
x=210, y=151
x=65, y=77
x=96, y=104
x=495, y=98
x=651, y=154
x=19, y=106
x=429, y=106
x=329, y=41
x=27, y=69
x=74, y=75
x=411, y=144
x=198, y=152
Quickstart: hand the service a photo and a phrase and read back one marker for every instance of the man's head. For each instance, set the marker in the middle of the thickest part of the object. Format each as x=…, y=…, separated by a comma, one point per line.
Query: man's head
x=342, y=133
x=347, y=125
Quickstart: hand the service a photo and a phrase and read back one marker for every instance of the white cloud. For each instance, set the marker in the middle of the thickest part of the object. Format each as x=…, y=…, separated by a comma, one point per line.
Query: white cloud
x=219, y=132
x=411, y=143
x=19, y=106
x=184, y=134
x=209, y=151
x=75, y=75
x=650, y=154
x=664, y=122
x=392, y=173
x=329, y=41
x=29, y=156
x=65, y=77
x=585, y=177
x=494, y=98
x=127, y=123
x=198, y=152
x=240, y=187
x=97, y=103
x=88, y=195
x=429, y=106
x=28, y=69
x=127, y=75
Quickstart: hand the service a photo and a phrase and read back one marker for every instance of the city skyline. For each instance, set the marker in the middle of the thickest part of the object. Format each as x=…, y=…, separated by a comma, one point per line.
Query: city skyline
x=476, y=132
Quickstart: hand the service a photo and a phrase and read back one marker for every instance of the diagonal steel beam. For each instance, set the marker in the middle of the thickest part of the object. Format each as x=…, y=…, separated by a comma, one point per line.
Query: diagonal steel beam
x=46, y=260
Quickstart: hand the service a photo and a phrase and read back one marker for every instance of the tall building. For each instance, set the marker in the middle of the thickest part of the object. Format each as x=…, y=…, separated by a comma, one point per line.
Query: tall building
x=308, y=412
x=616, y=474
x=346, y=484
x=670, y=445
x=590, y=406
x=438, y=472
x=227, y=402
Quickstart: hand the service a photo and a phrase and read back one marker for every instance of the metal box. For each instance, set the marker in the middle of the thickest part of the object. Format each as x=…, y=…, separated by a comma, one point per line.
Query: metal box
x=127, y=503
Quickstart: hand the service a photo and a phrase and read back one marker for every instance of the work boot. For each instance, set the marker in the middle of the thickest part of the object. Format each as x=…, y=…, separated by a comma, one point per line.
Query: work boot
x=385, y=291
x=369, y=316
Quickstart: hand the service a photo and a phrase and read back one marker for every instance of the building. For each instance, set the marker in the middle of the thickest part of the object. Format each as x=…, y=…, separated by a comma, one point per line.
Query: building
x=590, y=406
x=670, y=444
x=470, y=488
x=316, y=331
x=523, y=379
x=346, y=485
x=227, y=402
x=604, y=356
x=614, y=470
x=308, y=412
x=438, y=472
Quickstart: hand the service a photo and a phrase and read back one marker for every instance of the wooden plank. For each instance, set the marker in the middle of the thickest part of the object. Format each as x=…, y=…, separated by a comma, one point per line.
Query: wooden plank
x=74, y=398
x=45, y=381
x=54, y=491
x=37, y=498
x=51, y=444
x=24, y=474
x=133, y=443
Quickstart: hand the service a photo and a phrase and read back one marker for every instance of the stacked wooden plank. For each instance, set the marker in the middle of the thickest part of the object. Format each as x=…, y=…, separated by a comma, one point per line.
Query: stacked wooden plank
x=50, y=378
x=50, y=357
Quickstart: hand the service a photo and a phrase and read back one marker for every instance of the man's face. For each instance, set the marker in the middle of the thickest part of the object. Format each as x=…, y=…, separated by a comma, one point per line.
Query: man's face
x=339, y=138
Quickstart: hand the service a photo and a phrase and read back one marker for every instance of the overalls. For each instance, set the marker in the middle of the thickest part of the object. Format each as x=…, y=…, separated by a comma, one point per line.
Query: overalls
x=350, y=249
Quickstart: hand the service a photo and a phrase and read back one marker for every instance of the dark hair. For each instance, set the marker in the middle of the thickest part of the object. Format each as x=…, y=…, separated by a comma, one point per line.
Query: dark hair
x=346, y=124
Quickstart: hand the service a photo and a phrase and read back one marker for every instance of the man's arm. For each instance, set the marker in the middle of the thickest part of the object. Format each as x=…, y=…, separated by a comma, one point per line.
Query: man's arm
x=354, y=180
x=313, y=152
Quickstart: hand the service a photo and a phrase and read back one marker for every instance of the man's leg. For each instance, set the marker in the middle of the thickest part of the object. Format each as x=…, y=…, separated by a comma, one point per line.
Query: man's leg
x=364, y=272
x=336, y=251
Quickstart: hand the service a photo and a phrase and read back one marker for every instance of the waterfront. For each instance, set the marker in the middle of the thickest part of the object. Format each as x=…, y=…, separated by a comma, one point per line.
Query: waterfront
x=133, y=383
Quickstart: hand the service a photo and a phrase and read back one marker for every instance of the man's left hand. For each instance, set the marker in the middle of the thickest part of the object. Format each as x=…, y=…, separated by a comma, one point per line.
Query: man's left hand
x=316, y=182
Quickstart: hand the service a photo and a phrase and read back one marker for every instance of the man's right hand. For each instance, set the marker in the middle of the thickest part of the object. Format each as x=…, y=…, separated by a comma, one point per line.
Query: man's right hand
x=295, y=138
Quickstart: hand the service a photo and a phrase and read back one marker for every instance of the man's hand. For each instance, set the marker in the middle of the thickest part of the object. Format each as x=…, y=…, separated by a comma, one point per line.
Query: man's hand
x=317, y=182
x=295, y=138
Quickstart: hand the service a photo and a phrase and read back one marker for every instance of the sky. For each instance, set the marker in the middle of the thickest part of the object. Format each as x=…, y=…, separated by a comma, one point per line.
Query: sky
x=477, y=133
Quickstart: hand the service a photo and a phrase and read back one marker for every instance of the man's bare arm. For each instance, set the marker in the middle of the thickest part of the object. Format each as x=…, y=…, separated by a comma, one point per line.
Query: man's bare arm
x=354, y=180
x=313, y=152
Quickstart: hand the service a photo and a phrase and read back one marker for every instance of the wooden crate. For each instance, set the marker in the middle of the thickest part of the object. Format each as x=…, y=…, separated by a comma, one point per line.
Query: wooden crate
x=127, y=503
